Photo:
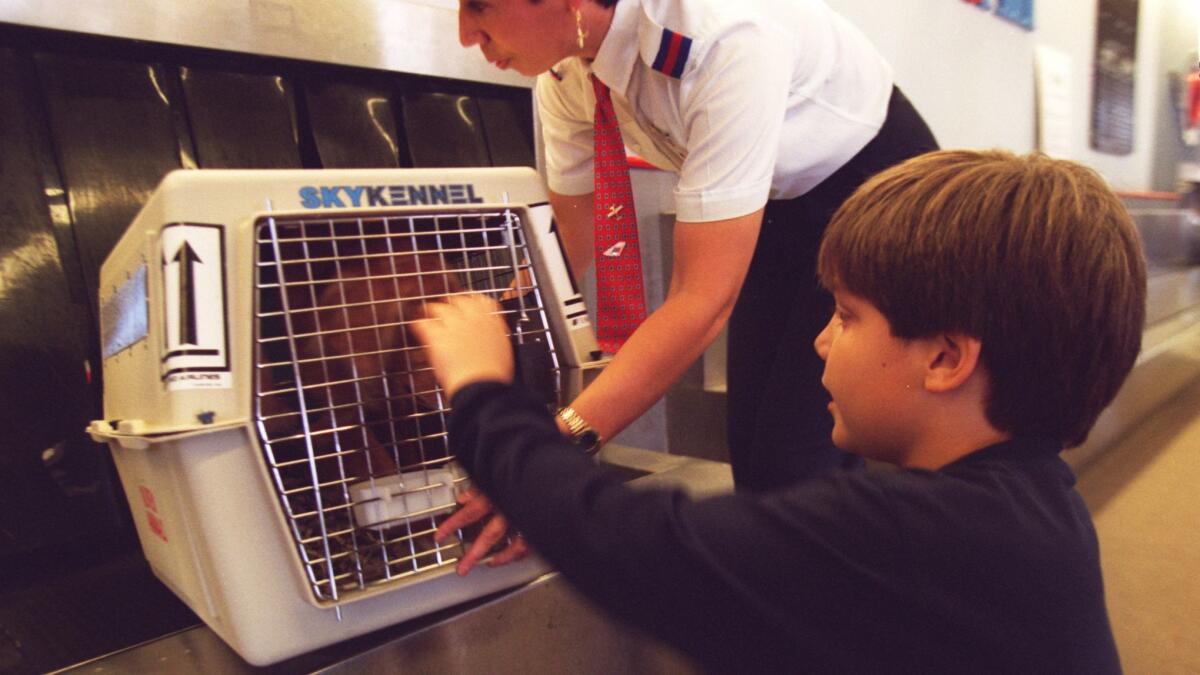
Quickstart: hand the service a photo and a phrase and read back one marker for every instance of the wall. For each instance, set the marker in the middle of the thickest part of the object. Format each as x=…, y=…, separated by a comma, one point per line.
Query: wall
x=971, y=74
x=409, y=36
x=1177, y=34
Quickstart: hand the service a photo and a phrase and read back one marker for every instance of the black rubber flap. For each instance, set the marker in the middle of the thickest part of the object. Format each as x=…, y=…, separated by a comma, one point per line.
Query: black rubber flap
x=113, y=130
x=508, y=126
x=241, y=121
x=353, y=126
x=444, y=130
x=55, y=484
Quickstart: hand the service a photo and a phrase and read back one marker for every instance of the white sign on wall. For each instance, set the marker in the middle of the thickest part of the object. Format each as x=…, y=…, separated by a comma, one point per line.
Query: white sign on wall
x=1054, y=112
x=196, y=349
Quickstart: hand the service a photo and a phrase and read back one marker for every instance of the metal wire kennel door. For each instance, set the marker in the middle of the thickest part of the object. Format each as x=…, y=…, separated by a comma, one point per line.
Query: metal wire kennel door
x=351, y=421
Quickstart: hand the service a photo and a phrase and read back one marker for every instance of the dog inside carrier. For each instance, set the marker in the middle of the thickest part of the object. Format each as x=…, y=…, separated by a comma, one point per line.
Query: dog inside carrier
x=279, y=433
x=351, y=420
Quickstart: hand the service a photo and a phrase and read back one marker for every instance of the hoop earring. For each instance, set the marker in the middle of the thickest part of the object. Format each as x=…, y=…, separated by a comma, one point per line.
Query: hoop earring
x=580, y=33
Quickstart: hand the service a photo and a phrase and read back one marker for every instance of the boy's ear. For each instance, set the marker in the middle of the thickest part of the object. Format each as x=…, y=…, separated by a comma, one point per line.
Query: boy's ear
x=951, y=360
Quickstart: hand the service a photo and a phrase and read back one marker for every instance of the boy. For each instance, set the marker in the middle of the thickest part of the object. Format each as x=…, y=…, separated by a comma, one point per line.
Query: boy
x=988, y=308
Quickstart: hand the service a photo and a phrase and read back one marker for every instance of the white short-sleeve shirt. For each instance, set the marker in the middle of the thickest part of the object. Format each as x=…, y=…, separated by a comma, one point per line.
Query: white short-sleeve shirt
x=745, y=99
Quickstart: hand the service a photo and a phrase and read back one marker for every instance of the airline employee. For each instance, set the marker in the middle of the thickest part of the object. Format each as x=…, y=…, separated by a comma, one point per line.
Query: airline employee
x=771, y=112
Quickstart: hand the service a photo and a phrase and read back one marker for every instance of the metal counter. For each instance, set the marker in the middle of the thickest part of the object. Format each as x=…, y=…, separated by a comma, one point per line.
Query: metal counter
x=543, y=626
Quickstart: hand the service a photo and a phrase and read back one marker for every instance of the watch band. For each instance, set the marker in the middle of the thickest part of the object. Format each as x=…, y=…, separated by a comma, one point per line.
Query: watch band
x=581, y=432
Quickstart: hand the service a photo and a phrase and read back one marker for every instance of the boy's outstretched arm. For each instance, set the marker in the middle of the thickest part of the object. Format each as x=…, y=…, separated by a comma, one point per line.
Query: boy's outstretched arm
x=466, y=341
x=656, y=558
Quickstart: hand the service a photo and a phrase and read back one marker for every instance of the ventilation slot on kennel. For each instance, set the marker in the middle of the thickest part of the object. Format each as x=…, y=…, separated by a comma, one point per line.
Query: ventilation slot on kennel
x=349, y=417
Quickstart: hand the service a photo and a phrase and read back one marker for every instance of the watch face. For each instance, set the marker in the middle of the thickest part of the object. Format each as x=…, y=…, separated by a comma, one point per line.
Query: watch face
x=588, y=440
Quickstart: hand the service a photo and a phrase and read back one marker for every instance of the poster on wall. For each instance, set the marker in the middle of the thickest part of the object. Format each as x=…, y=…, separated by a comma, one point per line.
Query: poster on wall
x=1019, y=12
x=1113, y=77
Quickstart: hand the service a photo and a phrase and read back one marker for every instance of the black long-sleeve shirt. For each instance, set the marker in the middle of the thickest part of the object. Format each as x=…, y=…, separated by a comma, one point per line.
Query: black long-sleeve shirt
x=990, y=564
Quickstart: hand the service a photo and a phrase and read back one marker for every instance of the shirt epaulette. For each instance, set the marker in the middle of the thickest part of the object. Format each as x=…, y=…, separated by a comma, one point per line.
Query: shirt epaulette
x=673, y=51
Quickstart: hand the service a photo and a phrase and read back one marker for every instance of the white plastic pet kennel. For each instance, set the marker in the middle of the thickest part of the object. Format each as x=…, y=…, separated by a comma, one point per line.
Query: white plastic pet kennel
x=278, y=433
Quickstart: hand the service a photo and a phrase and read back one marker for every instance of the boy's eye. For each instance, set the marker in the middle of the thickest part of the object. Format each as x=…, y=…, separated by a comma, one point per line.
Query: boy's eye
x=475, y=7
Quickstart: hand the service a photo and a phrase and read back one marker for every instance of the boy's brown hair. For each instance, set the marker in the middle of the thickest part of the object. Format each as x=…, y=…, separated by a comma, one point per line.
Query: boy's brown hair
x=1034, y=256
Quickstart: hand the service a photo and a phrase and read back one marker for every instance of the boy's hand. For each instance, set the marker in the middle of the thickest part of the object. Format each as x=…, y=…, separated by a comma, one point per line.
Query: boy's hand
x=466, y=340
x=475, y=507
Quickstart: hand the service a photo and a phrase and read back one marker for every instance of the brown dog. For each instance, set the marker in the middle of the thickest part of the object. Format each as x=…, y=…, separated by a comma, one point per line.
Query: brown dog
x=344, y=383
x=370, y=397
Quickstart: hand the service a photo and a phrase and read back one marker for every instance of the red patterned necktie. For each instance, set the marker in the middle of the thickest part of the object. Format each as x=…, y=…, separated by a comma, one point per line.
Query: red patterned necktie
x=620, y=302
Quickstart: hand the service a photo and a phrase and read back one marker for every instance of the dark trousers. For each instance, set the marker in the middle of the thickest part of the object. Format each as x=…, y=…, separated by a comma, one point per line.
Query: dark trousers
x=779, y=423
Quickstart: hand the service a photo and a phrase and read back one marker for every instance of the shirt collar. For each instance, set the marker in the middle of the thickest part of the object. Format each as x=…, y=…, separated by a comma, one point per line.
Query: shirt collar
x=619, y=52
x=1014, y=448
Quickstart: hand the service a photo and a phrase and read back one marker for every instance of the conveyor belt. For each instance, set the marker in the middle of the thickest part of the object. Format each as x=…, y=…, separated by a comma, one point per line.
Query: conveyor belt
x=73, y=617
x=543, y=626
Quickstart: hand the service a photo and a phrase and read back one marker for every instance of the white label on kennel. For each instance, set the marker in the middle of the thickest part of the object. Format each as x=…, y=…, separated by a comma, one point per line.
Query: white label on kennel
x=196, y=353
x=351, y=419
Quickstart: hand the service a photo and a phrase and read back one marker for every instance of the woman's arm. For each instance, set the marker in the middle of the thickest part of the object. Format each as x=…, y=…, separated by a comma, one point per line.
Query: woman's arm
x=710, y=263
x=573, y=214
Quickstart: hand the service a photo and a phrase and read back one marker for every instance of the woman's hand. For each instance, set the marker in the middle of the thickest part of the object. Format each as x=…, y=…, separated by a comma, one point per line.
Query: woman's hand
x=466, y=340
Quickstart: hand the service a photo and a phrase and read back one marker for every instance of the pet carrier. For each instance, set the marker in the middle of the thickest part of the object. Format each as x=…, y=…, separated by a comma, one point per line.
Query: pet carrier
x=277, y=430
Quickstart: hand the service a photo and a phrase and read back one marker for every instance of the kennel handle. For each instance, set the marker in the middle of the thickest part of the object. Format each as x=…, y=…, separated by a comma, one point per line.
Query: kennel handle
x=132, y=434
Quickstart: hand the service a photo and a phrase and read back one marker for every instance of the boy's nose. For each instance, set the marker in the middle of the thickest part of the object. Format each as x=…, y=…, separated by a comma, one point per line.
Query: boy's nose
x=824, y=338
x=468, y=32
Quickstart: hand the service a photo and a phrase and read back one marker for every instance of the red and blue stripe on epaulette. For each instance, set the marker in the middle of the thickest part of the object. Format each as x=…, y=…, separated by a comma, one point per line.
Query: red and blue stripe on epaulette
x=672, y=53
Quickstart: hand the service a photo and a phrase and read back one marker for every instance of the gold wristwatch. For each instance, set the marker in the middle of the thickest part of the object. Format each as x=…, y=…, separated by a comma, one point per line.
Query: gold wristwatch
x=582, y=435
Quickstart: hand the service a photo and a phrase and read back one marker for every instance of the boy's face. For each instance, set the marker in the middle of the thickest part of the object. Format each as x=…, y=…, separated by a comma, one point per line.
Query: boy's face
x=876, y=381
x=517, y=34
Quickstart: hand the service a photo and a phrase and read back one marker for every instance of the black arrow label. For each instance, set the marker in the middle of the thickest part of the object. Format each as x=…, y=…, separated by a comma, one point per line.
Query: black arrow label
x=187, y=259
